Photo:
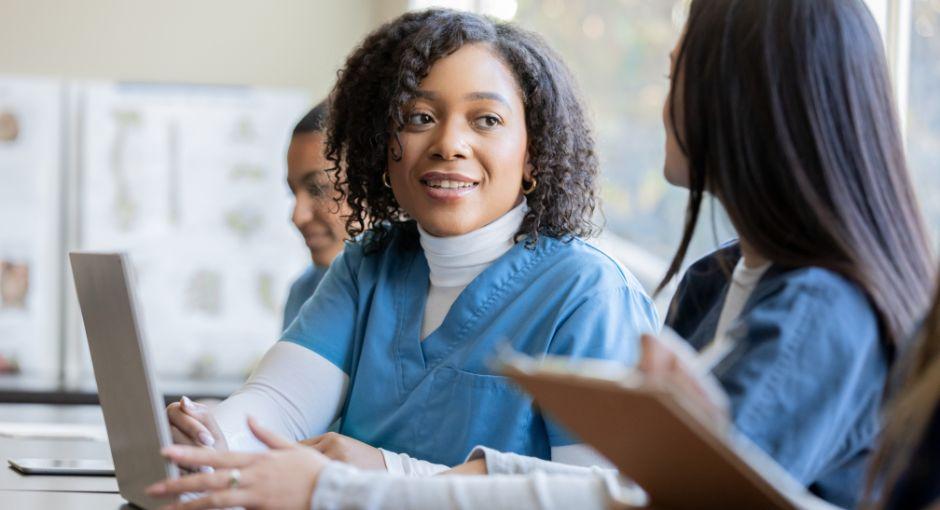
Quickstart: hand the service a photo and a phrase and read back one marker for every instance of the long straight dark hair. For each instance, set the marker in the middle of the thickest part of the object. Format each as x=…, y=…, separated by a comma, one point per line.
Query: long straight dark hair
x=789, y=120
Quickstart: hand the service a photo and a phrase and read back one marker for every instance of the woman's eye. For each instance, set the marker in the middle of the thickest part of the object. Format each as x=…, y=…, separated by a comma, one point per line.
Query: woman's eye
x=315, y=190
x=488, y=121
x=419, y=119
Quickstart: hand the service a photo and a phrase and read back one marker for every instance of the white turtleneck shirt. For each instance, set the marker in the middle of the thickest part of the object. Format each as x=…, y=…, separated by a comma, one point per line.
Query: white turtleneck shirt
x=455, y=261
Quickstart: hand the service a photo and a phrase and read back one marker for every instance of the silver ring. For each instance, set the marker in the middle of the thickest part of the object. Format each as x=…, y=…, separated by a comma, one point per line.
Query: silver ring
x=234, y=478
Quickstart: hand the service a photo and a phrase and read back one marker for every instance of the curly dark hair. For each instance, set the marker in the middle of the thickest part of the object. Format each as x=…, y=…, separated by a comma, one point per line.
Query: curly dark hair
x=382, y=76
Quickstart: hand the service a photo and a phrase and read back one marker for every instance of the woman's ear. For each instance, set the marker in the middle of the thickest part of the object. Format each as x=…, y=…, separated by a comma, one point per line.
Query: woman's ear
x=395, y=148
x=528, y=169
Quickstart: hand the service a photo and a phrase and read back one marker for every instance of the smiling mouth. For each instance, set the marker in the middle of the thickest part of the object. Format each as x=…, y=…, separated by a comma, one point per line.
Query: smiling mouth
x=446, y=184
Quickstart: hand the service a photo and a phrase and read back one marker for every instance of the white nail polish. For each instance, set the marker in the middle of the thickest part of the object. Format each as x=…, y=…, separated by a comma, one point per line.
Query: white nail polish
x=206, y=438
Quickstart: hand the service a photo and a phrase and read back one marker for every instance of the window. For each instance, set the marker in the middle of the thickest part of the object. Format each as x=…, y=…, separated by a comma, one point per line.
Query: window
x=923, y=122
x=503, y=9
x=618, y=50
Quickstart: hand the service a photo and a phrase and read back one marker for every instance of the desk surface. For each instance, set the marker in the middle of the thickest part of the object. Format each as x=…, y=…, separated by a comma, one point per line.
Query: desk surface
x=47, y=500
x=52, y=448
x=11, y=479
x=32, y=413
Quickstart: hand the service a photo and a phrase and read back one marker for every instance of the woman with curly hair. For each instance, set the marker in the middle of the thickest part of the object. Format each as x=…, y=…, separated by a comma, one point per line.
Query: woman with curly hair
x=782, y=110
x=470, y=172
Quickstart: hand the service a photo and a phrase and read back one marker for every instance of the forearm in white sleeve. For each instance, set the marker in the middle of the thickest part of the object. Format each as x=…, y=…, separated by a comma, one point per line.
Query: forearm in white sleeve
x=503, y=463
x=293, y=391
x=406, y=465
x=575, y=455
x=580, y=455
x=343, y=487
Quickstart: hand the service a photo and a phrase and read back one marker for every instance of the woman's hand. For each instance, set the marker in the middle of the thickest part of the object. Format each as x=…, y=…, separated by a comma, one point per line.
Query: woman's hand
x=348, y=450
x=192, y=423
x=474, y=467
x=283, y=477
x=662, y=362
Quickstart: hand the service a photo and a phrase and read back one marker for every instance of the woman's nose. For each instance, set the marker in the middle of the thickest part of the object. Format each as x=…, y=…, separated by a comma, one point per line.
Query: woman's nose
x=451, y=142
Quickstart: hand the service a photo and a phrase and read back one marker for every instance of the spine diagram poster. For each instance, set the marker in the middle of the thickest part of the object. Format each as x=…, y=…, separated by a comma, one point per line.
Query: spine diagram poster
x=31, y=124
x=190, y=181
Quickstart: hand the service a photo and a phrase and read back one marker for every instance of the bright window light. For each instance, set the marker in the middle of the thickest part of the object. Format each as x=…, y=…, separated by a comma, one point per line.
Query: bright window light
x=502, y=9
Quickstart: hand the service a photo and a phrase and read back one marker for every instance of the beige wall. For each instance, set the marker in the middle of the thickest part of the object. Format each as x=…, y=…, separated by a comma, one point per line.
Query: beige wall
x=257, y=42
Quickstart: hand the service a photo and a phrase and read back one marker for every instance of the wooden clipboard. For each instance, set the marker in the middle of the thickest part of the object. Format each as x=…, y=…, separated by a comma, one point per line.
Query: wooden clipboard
x=680, y=460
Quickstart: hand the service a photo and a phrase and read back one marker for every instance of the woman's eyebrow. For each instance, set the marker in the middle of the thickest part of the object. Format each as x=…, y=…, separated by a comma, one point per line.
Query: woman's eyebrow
x=493, y=96
x=472, y=96
x=425, y=94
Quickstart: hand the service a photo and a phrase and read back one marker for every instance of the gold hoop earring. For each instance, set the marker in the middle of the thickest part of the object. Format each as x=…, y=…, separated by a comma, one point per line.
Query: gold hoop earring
x=385, y=180
x=527, y=189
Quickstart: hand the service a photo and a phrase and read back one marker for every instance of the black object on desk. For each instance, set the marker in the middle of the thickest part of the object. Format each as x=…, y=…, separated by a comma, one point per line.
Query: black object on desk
x=75, y=467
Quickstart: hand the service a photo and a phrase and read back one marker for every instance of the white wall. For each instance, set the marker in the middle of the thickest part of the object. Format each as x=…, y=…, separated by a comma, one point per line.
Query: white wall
x=258, y=42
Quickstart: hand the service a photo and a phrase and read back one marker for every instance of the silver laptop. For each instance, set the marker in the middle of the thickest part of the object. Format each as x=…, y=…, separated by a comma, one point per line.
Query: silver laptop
x=133, y=409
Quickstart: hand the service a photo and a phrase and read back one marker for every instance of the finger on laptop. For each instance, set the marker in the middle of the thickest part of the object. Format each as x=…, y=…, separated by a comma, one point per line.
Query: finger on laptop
x=198, y=482
x=189, y=425
x=196, y=456
x=181, y=438
x=203, y=414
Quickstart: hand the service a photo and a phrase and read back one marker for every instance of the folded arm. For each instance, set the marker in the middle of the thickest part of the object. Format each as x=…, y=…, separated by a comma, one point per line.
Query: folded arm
x=293, y=391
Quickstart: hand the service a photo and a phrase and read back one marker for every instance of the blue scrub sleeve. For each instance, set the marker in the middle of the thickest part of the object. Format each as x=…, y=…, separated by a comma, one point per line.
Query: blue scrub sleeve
x=326, y=322
x=806, y=381
x=607, y=325
x=300, y=292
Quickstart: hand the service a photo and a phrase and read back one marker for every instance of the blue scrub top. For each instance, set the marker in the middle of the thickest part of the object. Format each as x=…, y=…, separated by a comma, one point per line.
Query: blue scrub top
x=808, y=370
x=301, y=290
x=436, y=399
